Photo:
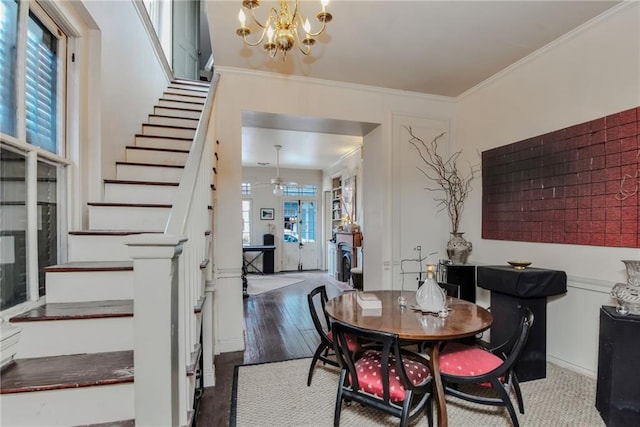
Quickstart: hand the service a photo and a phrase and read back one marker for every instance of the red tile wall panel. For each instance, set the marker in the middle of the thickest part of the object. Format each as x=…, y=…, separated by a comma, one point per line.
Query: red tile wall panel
x=577, y=185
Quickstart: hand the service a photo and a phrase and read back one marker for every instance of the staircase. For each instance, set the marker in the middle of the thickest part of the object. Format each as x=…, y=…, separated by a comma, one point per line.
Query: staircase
x=75, y=364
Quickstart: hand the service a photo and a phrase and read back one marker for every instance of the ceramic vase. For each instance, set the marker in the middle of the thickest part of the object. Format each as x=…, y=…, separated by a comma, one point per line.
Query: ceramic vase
x=628, y=294
x=458, y=248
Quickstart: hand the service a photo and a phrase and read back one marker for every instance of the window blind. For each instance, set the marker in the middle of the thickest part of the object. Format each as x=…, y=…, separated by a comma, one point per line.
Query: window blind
x=41, y=79
x=8, y=41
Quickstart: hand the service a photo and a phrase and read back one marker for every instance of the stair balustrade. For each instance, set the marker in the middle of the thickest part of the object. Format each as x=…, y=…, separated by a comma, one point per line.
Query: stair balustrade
x=171, y=297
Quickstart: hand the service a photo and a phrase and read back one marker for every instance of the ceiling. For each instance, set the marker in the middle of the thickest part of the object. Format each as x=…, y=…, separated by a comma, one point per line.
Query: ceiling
x=434, y=47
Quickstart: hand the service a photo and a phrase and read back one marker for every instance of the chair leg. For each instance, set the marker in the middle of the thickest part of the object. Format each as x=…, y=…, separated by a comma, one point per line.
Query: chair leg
x=516, y=386
x=338, y=409
x=404, y=417
x=316, y=355
x=507, y=401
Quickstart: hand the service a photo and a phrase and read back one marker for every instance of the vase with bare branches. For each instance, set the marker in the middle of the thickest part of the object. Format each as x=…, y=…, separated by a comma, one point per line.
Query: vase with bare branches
x=451, y=185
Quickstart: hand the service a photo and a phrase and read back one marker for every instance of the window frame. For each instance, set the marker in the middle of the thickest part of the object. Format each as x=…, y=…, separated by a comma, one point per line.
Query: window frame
x=35, y=155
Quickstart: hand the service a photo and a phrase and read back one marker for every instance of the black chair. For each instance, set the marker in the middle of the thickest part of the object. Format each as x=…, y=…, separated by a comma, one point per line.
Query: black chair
x=385, y=377
x=317, y=300
x=463, y=364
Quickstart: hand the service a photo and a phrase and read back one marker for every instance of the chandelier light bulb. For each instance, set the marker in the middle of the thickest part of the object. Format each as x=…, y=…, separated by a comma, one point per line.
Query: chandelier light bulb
x=277, y=191
x=270, y=34
x=306, y=26
x=242, y=18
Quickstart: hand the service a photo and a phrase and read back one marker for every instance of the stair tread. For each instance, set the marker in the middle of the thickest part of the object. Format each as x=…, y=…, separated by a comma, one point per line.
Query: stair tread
x=164, y=116
x=183, y=80
x=195, y=101
x=168, y=126
x=91, y=266
x=110, y=232
x=177, y=138
x=195, y=110
x=76, y=310
x=149, y=164
x=132, y=182
x=68, y=371
x=120, y=423
x=167, y=150
x=130, y=205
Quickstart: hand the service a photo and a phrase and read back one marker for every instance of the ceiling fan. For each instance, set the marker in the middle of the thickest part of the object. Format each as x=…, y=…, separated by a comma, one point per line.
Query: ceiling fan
x=277, y=182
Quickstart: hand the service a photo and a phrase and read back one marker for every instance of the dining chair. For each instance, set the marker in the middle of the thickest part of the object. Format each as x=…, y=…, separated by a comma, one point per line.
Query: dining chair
x=473, y=364
x=385, y=377
x=317, y=300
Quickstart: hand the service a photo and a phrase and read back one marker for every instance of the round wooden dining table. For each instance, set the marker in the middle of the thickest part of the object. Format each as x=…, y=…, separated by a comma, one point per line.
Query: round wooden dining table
x=465, y=319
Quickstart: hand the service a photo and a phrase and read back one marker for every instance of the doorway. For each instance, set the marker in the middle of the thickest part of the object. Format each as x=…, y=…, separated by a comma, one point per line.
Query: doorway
x=299, y=242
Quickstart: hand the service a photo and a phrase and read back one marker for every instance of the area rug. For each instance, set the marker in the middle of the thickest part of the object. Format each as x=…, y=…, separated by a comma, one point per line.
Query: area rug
x=276, y=394
x=257, y=284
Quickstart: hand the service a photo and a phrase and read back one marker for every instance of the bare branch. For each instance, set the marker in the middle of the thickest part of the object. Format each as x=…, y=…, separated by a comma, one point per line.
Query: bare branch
x=446, y=175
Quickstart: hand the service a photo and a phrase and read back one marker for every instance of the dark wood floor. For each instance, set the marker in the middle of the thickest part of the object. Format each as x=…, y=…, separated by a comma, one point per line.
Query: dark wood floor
x=278, y=327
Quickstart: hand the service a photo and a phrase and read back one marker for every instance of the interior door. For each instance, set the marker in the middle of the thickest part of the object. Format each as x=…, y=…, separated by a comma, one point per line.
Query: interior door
x=300, y=247
x=186, y=29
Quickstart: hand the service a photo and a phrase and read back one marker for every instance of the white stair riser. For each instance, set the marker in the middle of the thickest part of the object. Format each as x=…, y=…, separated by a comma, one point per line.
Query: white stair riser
x=175, y=112
x=167, y=102
x=139, y=193
x=69, y=407
x=156, y=157
x=168, y=131
x=176, y=97
x=59, y=337
x=155, y=142
x=173, y=121
x=77, y=286
x=97, y=248
x=148, y=173
x=191, y=93
x=191, y=88
x=128, y=218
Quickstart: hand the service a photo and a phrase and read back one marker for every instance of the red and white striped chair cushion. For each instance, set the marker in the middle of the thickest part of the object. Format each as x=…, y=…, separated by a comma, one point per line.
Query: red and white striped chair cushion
x=466, y=361
x=352, y=342
x=369, y=369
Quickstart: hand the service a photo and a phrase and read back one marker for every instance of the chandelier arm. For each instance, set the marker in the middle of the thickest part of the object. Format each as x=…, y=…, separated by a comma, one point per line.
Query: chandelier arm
x=306, y=51
x=264, y=31
x=324, y=24
x=272, y=12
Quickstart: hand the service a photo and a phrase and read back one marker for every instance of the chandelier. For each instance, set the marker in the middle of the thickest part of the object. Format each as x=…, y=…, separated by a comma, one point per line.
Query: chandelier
x=282, y=28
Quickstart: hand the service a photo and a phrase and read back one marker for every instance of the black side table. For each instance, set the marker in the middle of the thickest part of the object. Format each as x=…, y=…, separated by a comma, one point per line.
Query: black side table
x=618, y=387
x=530, y=287
x=463, y=275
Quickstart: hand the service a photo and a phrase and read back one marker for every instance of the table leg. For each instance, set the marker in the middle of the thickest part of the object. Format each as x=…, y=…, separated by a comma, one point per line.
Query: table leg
x=438, y=390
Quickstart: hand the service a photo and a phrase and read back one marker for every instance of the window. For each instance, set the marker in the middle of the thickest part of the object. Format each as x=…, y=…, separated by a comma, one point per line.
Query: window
x=299, y=221
x=32, y=182
x=301, y=190
x=246, y=188
x=246, y=222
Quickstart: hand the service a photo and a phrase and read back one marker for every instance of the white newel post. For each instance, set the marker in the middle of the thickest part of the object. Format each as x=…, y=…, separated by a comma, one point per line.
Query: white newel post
x=156, y=328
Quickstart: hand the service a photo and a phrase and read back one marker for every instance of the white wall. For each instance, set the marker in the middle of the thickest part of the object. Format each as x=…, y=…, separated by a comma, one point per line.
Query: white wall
x=132, y=78
x=244, y=91
x=588, y=74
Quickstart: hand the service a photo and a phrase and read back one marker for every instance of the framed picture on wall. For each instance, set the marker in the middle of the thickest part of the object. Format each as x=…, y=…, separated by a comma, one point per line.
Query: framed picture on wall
x=266, y=213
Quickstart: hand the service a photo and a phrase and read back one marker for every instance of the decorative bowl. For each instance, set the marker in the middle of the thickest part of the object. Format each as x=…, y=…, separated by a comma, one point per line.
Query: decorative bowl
x=519, y=265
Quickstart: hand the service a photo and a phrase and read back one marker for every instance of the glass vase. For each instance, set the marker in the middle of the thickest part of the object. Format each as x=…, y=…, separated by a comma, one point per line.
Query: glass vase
x=431, y=297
